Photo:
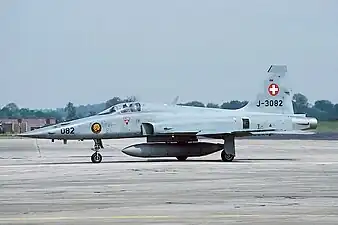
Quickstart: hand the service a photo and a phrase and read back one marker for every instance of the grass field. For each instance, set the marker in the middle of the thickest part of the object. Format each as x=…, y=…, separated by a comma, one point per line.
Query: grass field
x=327, y=126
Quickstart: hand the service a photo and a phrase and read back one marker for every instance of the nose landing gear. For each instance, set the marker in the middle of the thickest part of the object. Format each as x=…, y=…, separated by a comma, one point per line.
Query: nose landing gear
x=97, y=157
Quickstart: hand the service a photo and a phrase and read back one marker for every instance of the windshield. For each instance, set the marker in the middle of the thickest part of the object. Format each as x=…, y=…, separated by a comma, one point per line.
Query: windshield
x=123, y=108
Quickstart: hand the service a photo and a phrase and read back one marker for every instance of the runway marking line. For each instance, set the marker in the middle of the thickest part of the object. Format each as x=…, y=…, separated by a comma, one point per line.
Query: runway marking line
x=157, y=217
x=84, y=217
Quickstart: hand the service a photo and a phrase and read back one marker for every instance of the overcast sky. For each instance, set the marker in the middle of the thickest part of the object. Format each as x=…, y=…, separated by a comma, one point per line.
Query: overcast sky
x=52, y=52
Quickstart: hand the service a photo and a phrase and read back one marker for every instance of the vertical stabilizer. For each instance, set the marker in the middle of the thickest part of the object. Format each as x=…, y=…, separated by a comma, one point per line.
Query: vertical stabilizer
x=275, y=94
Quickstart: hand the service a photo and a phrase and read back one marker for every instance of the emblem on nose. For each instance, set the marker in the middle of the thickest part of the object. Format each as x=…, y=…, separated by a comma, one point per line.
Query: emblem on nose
x=96, y=128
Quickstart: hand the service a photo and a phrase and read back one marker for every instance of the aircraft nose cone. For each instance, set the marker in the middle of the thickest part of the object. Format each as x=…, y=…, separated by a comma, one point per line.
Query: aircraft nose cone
x=29, y=134
x=34, y=134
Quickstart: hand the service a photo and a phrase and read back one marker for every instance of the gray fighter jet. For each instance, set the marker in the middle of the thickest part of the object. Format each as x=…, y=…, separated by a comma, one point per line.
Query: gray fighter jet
x=172, y=130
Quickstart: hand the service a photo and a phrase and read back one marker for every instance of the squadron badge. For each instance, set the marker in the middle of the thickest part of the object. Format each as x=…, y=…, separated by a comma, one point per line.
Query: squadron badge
x=96, y=128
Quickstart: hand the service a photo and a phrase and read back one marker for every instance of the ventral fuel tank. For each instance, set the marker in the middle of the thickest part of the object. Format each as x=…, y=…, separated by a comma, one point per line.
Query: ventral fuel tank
x=148, y=150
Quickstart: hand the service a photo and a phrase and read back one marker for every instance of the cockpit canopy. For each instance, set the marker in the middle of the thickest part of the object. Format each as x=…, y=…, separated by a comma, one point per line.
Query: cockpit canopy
x=122, y=108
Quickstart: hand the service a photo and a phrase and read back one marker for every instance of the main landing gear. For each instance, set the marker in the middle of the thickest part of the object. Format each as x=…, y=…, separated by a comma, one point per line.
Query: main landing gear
x=97, y=157
x=228, y=154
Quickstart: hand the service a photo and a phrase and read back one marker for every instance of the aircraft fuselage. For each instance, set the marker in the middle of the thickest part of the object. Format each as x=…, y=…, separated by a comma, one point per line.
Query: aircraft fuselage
x=129, y=125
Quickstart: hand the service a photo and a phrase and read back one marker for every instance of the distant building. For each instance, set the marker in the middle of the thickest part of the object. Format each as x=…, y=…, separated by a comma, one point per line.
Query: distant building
x=23, y=125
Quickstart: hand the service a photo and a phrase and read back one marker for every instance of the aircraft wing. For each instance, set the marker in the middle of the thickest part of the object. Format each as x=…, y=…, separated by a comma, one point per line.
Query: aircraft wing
x=208, y=129
x=295, y=132
x=239, y=132
x=215, y=129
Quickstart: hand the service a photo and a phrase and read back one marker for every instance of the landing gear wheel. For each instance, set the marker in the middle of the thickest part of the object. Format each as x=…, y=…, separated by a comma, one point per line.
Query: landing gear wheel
x=182, y=158
x=227, y=157
x=96, y=157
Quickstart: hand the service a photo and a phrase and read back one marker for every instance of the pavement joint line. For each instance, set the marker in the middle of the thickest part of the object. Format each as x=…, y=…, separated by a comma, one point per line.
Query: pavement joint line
x=126, y=217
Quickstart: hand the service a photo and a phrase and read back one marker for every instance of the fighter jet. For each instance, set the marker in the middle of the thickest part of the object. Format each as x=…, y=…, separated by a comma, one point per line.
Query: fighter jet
x=172, y=130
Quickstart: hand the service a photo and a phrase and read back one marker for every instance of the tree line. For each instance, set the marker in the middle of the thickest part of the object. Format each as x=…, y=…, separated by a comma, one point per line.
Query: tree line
x=323, y=110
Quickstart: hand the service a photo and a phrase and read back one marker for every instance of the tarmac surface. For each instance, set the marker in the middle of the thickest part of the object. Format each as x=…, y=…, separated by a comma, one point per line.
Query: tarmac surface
x=269, y=182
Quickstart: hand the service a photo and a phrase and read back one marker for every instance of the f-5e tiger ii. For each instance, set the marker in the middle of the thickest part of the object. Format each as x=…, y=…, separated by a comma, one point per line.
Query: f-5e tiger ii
x=173, y=130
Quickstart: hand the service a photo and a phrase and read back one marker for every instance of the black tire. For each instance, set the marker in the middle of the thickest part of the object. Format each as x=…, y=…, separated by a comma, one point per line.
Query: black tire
x=96, y=157
x=182, y=158
x=226, y=157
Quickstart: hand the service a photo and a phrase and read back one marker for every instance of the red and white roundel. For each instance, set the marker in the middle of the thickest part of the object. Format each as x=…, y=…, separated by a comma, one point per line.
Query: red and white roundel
x=126, y=120
x=273, y=89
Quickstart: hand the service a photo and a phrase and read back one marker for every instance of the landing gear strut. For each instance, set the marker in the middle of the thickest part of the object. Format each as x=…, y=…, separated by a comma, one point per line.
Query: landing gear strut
x=229, y=153
x=97, y=157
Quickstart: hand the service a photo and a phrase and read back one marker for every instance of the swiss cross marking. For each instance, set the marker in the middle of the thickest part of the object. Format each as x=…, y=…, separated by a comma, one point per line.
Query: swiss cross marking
x=273, y=89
